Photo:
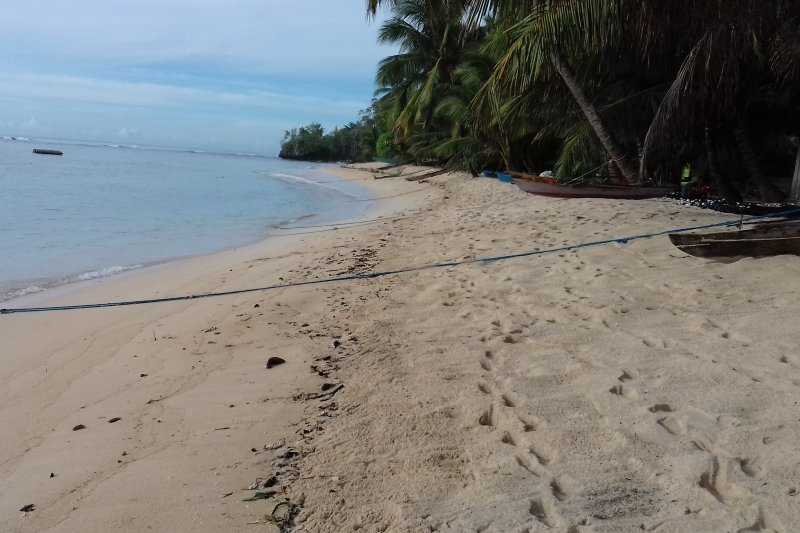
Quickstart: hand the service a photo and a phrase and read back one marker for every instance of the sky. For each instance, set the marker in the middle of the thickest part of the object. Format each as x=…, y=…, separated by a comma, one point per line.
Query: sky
x=227, y=75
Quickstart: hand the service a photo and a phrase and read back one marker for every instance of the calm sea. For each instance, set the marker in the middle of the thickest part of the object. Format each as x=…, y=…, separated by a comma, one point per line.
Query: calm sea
x=101, y=210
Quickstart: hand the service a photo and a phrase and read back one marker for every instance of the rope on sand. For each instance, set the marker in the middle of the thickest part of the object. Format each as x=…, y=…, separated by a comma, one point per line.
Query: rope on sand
x=406, y=270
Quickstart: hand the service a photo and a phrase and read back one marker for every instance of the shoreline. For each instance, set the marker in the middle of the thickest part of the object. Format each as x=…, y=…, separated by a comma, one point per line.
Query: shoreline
x=187, y=381
x=624, y=387
x=40, y=289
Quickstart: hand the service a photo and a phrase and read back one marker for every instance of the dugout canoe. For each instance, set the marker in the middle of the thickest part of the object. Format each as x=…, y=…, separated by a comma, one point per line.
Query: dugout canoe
x=781, y=237
x=621, y=192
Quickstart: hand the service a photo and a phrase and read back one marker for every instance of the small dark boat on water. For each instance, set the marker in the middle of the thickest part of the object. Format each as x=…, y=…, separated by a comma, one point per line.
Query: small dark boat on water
x=780, y=237
x=543, y=186
x=45, y=151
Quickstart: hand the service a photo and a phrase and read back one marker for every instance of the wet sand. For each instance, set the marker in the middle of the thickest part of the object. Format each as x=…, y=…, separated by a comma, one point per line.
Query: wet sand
x=187, y=380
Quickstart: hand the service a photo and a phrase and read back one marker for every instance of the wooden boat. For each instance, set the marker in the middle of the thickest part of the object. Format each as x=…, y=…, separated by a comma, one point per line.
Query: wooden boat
x=621, y=192
x=779, y=237
x=45, y=151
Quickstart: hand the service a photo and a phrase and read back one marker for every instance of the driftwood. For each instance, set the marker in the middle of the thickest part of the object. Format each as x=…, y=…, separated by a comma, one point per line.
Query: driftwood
x=387, y=167
x=402, y=175
x=428, y=175
x=385, y=176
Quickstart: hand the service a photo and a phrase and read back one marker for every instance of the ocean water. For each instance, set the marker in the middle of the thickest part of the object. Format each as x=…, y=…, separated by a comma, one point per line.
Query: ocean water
x=105, y=209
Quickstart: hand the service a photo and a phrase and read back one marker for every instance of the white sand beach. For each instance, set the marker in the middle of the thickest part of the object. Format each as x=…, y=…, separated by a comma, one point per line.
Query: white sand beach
x=615, y=388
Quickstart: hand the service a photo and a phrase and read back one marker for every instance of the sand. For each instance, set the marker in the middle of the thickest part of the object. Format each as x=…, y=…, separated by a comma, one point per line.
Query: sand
x=617, y=388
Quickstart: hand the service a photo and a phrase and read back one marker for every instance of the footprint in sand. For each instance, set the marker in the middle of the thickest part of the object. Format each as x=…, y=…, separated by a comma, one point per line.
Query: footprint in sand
x=509, y=400
x=544, y=510
x=583, y=527
x=485, y=388
x=508, y=438
x=531, y=422
x=766, y=522
x=753, y=466
x=543, y=452
x=488, y=417
x=715, y=480
x=528, y=464
x=674, y=424
x=625, y=391
x=564, y=487
x=661, y=408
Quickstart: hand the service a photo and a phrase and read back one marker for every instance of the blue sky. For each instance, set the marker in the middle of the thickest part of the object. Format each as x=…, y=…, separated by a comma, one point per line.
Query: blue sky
x=208, y=74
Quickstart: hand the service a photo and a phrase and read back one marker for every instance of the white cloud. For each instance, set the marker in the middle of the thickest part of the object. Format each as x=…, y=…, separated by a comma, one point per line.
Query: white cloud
x=122, y=93
x=87, y=108
x=294, y=37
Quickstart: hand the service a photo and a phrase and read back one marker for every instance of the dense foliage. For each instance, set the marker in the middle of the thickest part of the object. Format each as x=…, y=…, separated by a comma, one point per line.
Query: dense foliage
x=356, y=141
x=624, y=90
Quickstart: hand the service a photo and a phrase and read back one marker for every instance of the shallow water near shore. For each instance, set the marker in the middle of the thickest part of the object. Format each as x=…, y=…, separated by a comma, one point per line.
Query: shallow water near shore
x=104, y=209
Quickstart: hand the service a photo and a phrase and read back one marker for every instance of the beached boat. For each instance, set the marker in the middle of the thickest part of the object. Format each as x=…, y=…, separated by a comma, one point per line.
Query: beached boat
x=781, y=237
x=45, y=151
x=549, y=187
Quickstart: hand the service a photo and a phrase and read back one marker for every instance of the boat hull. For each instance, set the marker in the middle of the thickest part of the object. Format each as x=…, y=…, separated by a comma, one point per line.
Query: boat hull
x=763, y=240
x=594, y=191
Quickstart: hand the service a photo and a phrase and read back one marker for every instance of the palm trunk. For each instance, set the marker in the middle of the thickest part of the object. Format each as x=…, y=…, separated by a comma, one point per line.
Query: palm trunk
x=794, y=196
x=723, y=185
x=505, y=153
x=625, y=167
x=767, y=191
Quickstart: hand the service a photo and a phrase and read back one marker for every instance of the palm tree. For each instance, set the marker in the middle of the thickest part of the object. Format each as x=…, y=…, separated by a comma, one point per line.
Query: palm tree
x=737, y=51
x=432, y=38
x=662, y=82
x=552, y=37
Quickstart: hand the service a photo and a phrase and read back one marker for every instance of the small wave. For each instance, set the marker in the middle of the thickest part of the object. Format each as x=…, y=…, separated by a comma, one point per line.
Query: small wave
x=32, y=289
x=105, y=272
x=46, y=284
x=300, y=179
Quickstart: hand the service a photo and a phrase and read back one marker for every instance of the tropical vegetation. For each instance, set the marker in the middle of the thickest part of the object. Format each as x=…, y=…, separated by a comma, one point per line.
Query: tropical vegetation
x=629, y=91
x=355, y=141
